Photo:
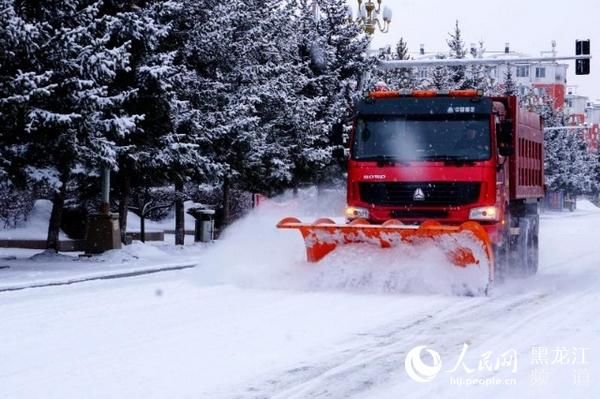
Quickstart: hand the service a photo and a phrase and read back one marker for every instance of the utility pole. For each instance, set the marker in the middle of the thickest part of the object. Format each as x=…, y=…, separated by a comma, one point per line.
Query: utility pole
x=371, y=17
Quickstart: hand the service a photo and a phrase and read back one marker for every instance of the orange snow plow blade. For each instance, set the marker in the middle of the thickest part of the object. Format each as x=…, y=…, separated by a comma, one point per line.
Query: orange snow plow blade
x=324, y=235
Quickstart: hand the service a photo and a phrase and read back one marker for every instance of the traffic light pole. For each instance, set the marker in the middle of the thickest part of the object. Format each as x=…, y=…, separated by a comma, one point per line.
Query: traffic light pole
x=582, y=59
x=395, y=64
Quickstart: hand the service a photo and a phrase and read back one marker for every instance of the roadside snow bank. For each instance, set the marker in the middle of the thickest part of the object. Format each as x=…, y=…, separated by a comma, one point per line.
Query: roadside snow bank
x=586, y=205
x=253, y=253
x=36, y=225
x=168, y=223
x=24, y=269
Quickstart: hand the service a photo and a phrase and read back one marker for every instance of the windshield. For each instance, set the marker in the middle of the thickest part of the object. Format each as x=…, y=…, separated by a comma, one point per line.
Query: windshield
x=414, y=138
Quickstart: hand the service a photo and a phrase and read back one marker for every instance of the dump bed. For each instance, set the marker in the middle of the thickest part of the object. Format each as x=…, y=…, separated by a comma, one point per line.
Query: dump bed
x=527, y=165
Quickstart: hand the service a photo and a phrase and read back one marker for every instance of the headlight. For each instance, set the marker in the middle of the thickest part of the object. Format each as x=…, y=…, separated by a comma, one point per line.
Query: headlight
x=353, y=212
x=489, y=213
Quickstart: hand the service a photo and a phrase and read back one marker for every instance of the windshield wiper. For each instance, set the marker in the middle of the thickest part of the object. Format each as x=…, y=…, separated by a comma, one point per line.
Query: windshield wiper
x=382, y=160
x=450, y=159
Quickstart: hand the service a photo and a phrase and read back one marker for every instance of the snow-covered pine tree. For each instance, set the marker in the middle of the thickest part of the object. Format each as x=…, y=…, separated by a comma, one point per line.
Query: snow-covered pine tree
x=210, y=33
x=568, y=165
x=401, y=50
x=458, y=74
x=19, y=81
x=61, y=98
x=596, y=174
x=477, y=76
x=273, y=84
x=581, y=165
x=401, y=78
x=407, y=79
x=163, y=146
x=16, y=50
x=244, y=84
x=14, y=53
x=510, y=86
x=379, y=75
x=440, y=77
x=181, y=154
x=333, y=83
x=554, y=143
x=271, y=95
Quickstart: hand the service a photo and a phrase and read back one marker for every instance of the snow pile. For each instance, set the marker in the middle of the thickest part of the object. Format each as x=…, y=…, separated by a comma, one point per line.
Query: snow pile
x=253, y=253
x=168, y=223
x=586, y=205
x=36, y=225
x=408, y=268
x=130, y=253
x=51, y=257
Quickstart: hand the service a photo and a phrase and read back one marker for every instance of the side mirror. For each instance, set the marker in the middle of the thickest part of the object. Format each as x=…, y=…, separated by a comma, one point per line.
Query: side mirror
x=339, y=153
x=505, y=138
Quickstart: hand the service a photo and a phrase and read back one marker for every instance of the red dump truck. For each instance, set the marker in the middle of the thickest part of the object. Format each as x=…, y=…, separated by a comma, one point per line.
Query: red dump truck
x=427, y=164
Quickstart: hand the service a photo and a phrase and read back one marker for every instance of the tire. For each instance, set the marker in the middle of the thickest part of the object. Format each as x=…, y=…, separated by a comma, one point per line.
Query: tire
x=526, y=253
x=502, y=260
x=524, y=247
x=534, y=248
x=502, y=252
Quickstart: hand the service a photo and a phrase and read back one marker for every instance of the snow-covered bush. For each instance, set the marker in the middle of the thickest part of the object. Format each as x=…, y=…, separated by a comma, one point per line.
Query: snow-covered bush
x=15, y=205
x=211, y=195
x=154, y=203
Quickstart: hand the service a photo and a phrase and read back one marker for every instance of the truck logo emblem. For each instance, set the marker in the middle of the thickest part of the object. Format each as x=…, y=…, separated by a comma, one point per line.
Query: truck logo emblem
x=462, y=110
x=419, y=195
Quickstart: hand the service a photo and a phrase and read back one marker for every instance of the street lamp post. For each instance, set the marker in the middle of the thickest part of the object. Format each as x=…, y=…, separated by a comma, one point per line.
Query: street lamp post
x=371, y=17
x=105, y=182
x=103, y=232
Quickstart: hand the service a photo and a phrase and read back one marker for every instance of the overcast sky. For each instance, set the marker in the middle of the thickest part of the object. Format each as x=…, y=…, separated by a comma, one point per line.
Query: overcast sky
x=529, y=26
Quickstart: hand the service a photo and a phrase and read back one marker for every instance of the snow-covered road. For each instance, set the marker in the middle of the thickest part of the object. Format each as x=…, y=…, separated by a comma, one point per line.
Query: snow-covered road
x=238, y=328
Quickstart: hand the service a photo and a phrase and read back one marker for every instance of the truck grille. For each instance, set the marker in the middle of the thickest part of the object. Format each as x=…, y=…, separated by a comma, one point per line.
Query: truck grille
x=413, y=214
x=436, y=194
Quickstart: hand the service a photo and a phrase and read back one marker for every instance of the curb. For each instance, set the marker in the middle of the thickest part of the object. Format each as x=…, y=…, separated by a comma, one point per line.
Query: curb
x=112, y=276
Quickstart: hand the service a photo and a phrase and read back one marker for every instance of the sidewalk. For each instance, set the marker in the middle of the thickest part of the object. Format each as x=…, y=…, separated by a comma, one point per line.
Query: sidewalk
x=23, y=269
x=584, y=208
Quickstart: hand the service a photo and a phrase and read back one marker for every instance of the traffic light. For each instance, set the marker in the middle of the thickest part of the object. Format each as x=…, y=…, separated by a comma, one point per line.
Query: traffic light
x=582, y=47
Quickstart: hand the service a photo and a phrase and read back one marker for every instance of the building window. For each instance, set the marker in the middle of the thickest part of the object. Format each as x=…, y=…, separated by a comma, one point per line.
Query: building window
x=540, y=72
x=423, y=73
x=522, y=71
